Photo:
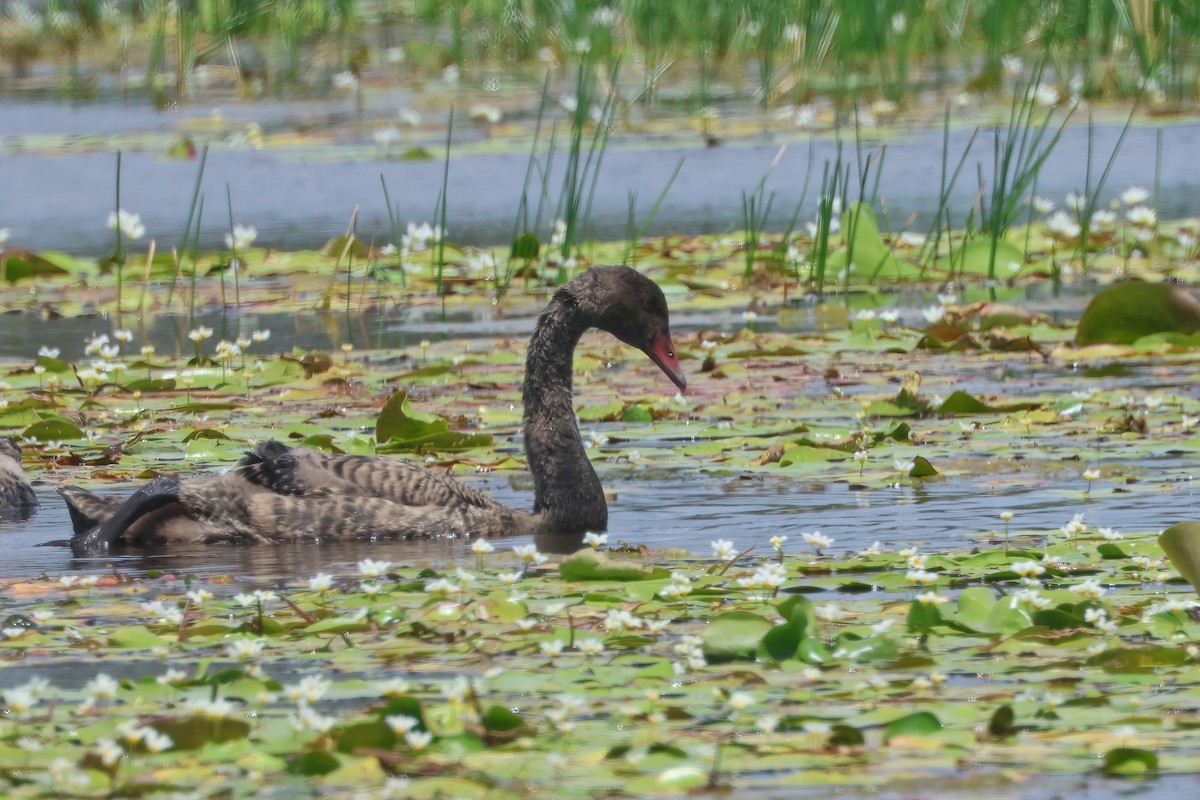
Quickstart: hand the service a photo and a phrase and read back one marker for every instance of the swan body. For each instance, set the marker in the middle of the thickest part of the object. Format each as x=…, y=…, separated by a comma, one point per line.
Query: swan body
x=279, y=494
x=16, y=497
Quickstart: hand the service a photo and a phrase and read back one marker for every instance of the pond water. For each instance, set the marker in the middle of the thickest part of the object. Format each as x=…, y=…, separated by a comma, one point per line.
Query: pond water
x=300, y=196
x=689, y=510
x=684, y=509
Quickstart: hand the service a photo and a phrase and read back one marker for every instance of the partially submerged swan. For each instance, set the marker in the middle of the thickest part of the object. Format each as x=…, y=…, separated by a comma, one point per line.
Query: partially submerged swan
x=16, y=498
x=280, y=494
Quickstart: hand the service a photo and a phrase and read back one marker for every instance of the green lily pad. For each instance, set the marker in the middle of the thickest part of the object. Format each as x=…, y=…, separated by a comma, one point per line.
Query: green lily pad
x=921, y=723
x=1130, y=761
x=593, y=565
x=54, y=429
x=734, y=635
x=1124, y=313
x=400, y=428
x=1181, y=543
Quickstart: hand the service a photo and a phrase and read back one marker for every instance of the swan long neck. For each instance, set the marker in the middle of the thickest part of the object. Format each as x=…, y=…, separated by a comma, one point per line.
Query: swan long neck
x=568, y=497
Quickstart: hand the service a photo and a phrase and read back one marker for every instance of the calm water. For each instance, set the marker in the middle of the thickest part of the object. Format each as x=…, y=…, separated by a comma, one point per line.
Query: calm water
x=300, y=197
x=683, y=509
x=687, y=511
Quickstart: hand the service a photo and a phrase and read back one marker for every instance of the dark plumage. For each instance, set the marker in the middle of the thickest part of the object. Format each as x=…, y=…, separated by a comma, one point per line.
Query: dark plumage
x=15, y=495
x=279, y=494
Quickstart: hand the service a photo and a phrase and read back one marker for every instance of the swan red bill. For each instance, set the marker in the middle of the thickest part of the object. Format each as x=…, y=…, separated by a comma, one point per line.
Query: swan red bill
x=662, y=352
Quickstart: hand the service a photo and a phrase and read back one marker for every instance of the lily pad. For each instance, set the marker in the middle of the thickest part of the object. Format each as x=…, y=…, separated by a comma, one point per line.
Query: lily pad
x=400, y=428
x=1124, y=313
x=1181, y=543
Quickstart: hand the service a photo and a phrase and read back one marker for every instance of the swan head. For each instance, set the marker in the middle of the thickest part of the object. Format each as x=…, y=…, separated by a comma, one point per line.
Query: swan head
x=632, y=308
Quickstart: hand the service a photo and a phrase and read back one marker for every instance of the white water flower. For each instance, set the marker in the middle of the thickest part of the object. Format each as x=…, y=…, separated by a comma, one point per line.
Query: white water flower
x=590, y=647
x=933, y=314
x=723, y=549
x=1046, y=94
x=1134, y=196
x=829, y=612
x=817, y=539
x=1142, y=216
x=418, y=740
x=310, y=689
x=245, y=649
x=1089, y=589
x=369, y=568
x=1062, y=224
x=920, y=577
x=529, y=554
x=402, y=723
x=101, y=687
x=739, y=701
x=387, y=136
x=109, y=751
x=595, y=540
x=156, y=741
x=1028, y=569
x=129, y=224
x=241, y=238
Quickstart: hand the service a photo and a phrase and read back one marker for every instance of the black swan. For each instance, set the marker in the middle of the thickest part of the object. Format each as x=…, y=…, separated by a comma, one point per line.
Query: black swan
x=280, y=494
x=16, y=498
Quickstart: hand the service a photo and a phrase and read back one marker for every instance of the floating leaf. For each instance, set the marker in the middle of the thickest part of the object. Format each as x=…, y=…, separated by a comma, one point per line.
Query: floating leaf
x=922, y=723
x=845, y=736
x=135, y=637
x=16, y=265
x=1181, y=543
x=734, y=635
x=976, y=256
x=188, y=733
x=959, y=402
x=781, y=642
x=53, y=429
x=1138, y=659
x=1124, y=313
x=593, y=565
x=400, y=428
x=864, y=246
x=525, y=247
x=922, y=468
x=341, y=244
x=1001, y=725
x=498, y=718
x=1130, y=761
x=316, y=762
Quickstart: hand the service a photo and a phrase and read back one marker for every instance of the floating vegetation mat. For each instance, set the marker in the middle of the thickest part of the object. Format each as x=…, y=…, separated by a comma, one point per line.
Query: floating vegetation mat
x=608, y=673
